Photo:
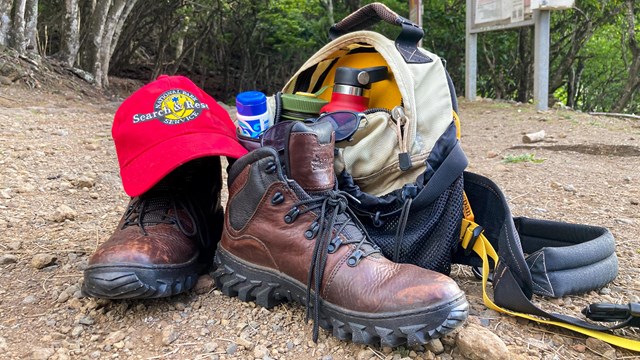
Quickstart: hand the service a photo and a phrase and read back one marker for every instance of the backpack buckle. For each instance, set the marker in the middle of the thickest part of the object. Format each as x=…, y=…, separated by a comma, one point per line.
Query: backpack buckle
x=477, y=231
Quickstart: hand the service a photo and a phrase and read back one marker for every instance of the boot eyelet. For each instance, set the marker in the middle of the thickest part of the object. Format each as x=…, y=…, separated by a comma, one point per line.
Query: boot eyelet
x=292, y=215
x=334, y=245
x=277, y=198
x=312, y=231
x=354, y=259
x=271, y=167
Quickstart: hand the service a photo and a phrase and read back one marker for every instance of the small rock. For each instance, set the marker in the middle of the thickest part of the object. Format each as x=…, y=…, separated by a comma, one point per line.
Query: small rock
x=169, y=335
x=30, y=299
x=62, y=354
x=8, y=259
x=605, y=291
x=602, y=348
x=555, y=185
x=290, y=345
x=86, y=320
x=6, y=194
x=27, y=188
x=92, y=146
x=83, y=182
x=365, y=354
x=42, y=260
x=624, y=221
x=42, y=353
x=581, y=348
x=492, y=153
x=477, y=343
x=5, y=80
x=62, y=213
x=435, y=346
x=569, y=188
x=231, y=349
x=77, y=331
x=14, y=245
x=114, y=337
x=244, y=342
x=3, y=344
x=63, y=297
x=327, y=357
x=634, y=202
x=204, y=285
x=210, y=347
x=260, y=351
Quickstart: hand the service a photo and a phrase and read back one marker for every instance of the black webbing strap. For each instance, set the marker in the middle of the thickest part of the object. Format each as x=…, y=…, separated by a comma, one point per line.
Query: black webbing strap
x=571, y=258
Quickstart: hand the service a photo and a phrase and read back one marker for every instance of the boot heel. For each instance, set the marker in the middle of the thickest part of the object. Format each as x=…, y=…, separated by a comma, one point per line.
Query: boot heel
x=234, y=279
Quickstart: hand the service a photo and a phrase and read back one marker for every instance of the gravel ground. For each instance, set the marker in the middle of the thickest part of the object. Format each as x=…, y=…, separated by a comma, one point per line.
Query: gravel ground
x=61, y=196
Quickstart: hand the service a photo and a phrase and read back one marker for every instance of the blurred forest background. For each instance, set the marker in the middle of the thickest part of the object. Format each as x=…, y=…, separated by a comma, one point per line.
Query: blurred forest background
x=235, y=45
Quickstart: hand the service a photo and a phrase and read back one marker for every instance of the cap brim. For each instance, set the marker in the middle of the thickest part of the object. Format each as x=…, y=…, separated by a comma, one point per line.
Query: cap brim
x=143, y=172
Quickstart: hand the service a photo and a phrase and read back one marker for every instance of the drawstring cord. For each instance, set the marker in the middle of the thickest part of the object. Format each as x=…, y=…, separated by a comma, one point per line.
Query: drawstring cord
x=402, y=224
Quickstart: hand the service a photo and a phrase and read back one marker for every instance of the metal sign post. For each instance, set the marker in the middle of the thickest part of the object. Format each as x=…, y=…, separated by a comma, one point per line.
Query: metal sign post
x=542, y=20
x=490, y=15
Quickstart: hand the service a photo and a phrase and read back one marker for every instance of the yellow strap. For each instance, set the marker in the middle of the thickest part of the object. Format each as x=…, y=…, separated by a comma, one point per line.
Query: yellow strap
x=483, y=248
x=456, y=120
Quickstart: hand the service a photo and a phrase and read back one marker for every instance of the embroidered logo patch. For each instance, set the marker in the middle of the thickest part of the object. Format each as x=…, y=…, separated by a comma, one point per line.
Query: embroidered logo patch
x=173, y=107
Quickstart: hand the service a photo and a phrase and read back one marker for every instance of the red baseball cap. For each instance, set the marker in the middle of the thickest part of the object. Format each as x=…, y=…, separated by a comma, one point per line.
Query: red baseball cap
x=165, y=124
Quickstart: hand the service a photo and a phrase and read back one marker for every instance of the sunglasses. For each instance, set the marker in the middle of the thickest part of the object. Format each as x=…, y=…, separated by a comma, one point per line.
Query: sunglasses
x=345, y=124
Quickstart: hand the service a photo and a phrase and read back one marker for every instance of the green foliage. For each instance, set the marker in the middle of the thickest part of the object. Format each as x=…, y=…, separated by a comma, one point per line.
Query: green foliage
x=233, y=45
x=527, y=157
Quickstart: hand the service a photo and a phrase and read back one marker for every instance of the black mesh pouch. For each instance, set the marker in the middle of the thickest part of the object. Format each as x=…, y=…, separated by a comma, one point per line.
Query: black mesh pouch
x=431, y=234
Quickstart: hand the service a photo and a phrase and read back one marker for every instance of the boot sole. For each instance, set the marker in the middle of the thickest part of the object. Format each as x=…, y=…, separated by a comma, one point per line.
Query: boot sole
x=127, y=281
x=235, y=277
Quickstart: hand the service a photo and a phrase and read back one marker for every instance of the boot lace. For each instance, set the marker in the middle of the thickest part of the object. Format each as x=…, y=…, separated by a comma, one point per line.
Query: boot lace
x=334, y=214
x=154, y=207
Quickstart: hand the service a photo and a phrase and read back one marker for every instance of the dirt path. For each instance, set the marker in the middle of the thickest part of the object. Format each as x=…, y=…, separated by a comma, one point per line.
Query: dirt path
x=61, y=196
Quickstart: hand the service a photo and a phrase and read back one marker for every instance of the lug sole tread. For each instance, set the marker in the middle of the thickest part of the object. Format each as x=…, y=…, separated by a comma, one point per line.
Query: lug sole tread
x=270, y=293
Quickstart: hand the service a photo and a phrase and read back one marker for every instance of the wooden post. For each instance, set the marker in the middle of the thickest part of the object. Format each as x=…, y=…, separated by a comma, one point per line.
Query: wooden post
x=415, y=14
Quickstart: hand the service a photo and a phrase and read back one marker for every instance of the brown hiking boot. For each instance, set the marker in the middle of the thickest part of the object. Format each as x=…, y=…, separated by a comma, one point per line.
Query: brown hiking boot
x=289, y=235
x=164, y=240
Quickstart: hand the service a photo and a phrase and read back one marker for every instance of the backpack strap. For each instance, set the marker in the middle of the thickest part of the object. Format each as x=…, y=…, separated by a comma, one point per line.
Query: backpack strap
x=562, y=259
x=370, y=14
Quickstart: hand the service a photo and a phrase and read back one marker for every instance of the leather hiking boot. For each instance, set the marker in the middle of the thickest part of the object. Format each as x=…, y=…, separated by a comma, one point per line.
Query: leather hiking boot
x=289, y=235
x=165, y=239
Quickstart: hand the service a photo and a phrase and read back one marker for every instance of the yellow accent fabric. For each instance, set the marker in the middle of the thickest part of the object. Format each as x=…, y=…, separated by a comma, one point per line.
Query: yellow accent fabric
x=456, y=121
x=466, y=209
x=483, y=248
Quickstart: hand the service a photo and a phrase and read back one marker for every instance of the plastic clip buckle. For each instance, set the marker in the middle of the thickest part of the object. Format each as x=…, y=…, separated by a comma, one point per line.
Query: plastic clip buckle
x=611, y=312
x=474, y=237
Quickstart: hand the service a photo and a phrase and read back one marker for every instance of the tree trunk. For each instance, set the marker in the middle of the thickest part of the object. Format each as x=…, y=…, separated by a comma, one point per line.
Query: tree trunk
x=95, y=32
x=328, y=5
x=5, y=21
x=524, y=65
x=71, y=33
x=18, y=40
x=633, y=78
x=31, y=26
x=115, y=13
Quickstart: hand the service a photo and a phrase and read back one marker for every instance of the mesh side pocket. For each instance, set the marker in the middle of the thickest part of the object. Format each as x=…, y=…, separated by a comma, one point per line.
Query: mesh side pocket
x=431, y=234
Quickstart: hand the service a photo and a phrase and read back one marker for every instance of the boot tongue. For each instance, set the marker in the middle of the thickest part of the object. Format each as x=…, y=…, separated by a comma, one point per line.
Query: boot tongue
x=309, y=156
